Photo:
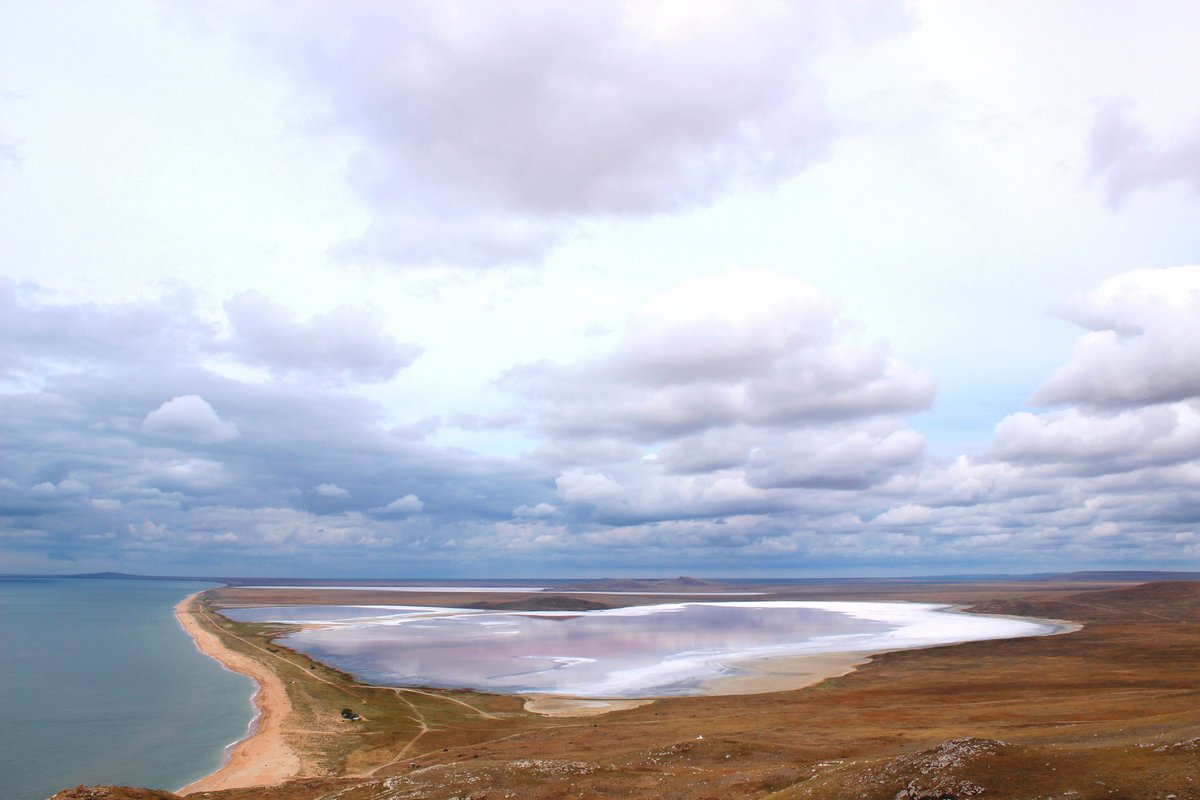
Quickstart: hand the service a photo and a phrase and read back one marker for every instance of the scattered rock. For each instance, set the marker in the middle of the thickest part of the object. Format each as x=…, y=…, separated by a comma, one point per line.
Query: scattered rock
x=1186, y=746
x=113, y=793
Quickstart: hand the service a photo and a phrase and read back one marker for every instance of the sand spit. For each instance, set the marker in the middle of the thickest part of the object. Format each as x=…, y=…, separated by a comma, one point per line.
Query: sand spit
x=263, y=758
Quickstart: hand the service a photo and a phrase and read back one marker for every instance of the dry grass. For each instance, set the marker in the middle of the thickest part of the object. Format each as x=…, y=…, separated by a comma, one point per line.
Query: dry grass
x=1110, y=711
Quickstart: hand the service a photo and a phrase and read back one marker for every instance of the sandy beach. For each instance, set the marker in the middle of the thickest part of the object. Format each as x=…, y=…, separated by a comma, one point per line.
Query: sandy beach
x=1105, y=711
x=262, y=758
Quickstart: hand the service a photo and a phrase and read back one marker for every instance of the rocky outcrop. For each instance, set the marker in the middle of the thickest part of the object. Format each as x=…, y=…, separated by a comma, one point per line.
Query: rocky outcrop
x=113, y=793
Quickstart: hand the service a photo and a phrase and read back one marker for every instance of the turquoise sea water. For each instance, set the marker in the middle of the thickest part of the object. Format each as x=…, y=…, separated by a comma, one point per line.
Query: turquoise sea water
x=99, y=684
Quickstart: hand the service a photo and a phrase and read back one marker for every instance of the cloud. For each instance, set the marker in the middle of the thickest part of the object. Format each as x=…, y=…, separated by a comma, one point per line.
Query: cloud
x=34, y=326
x=539, y=510
x=67, y=487
x=1111, y=478
x=1101, y=443
x=579, y=485
x=1114, y=476
x=734, y=394
x=409, y=504
x=148, y=530
x=342, y=345
x=484, y=131
x=189, y=418
x=345, y=344
x=832, y=478
x=1127, y=159
x=835, y=459
x=905, y=515
x=754, y=348
x=1143, y=343
x=78, y=430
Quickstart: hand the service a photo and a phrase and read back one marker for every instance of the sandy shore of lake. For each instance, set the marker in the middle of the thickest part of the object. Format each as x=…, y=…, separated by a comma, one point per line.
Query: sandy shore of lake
x=758, y=676
x=549, y=705
x=786, y=673
x=263, y=758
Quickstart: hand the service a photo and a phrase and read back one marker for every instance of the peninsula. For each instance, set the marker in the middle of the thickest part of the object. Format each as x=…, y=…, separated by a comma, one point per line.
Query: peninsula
x=1107, y=710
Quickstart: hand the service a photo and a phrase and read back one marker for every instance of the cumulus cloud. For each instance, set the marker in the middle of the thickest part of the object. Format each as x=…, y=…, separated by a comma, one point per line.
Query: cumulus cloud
x=34, y=326
x=1114, y=475
x=345, y=344
x=835, y=459
x=189, y=418
x=63, y=488
x=1143, y=343
x=409, y=504
x=833, y=477
x=1117, y=470
x=91, y=431
x=750, y=347
x=727, y=395
x=580, y=485
x=1127, y=159
x=484, y=129
x=539, y=510
x=905, y=515
x=1101, y=442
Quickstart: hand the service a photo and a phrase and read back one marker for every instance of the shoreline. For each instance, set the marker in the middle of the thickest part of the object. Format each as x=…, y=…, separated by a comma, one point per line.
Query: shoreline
x=767, y=674
x=262, y=757
x=787, y=673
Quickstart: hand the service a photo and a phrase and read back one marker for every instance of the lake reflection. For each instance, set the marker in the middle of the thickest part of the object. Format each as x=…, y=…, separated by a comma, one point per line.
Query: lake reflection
x=640, y=652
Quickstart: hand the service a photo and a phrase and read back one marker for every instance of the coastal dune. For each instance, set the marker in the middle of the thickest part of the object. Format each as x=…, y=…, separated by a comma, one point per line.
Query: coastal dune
x=262, y=758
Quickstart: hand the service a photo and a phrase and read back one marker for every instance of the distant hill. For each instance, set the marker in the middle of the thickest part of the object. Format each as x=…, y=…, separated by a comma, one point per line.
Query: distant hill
x=657, y=585
x=681, y=584
x=1132, y=576
x=542, y=602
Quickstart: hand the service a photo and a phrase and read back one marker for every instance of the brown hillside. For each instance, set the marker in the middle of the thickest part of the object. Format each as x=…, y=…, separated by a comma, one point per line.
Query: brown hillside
x=1109, y=711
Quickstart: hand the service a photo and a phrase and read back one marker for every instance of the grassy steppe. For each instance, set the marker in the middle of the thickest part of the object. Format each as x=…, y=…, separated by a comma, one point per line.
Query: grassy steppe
x=1110, y=711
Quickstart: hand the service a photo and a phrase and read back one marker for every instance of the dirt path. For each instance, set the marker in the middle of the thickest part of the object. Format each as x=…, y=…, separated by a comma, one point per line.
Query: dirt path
x=424, y=728
x=448, y=699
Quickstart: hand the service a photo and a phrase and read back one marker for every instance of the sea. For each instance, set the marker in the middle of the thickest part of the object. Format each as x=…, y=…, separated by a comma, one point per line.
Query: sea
x=100, y=685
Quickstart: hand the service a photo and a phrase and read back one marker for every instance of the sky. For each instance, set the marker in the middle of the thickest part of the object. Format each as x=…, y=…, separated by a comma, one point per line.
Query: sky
x=600, y=288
